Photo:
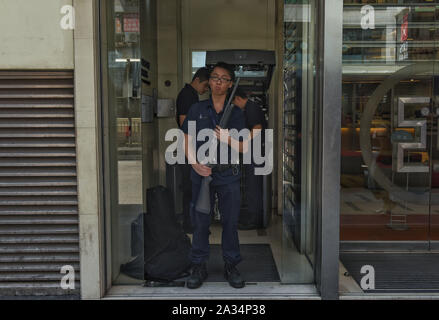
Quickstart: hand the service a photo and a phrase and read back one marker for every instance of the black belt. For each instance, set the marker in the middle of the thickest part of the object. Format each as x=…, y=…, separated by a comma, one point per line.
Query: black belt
x=225, y=167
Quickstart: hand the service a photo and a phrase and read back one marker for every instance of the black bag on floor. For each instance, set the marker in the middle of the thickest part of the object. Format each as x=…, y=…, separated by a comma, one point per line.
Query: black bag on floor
x=158, y=243
x=166, y=246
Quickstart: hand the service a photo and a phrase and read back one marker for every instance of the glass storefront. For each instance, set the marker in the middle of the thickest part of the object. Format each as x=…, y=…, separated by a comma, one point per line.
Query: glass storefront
x=389, y=134
x=389, y=124
x=389, y=195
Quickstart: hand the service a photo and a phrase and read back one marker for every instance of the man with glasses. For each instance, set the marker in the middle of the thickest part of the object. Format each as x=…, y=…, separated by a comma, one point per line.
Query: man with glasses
x=226, y=181
x=187, y=97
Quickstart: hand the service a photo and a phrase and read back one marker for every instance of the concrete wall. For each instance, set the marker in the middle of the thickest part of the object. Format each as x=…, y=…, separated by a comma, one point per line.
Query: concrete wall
x=168, y=51
x=31, y=36
x=222, y=24
x=169, y=66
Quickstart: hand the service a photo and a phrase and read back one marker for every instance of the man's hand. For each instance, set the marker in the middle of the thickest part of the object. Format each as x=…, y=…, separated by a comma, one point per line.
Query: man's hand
x=202, y=170
x=222, y=135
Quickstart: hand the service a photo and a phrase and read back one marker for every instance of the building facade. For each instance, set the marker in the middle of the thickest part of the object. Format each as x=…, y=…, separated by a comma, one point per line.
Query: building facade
x=352, y=105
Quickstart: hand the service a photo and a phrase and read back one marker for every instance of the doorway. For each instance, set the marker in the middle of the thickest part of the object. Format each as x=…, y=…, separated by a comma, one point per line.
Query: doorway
x=146, y=57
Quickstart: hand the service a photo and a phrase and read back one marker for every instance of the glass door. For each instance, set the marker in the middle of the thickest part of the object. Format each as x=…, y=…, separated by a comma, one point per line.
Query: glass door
x=129, y=68
x=389, y=174
x=121, y=69
x=298, y=254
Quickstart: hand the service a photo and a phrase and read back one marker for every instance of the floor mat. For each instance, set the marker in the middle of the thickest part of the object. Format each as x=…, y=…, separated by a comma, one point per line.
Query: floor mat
x=257, y=264
x=396, y=272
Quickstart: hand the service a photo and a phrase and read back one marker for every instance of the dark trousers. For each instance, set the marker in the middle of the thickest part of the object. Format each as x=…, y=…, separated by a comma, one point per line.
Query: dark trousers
x=187, y=193
x=253, y=192
x=229, y=202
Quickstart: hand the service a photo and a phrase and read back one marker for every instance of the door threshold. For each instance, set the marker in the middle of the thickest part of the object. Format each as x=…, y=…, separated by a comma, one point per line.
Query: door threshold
x=216, y=290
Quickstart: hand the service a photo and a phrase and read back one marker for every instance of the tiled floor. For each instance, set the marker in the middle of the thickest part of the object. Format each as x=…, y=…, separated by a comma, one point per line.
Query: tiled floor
x=347, y=284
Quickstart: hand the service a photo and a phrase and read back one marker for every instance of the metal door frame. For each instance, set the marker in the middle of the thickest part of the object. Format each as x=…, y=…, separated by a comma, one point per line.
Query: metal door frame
x=328, y=123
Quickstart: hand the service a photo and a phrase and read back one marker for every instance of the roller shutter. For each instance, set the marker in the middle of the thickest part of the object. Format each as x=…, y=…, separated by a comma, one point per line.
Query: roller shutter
x=38, y=186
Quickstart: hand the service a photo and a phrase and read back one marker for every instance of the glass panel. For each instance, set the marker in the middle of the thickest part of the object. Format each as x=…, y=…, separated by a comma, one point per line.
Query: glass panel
x=387, y=125
x=125, y=138
x=297, y=244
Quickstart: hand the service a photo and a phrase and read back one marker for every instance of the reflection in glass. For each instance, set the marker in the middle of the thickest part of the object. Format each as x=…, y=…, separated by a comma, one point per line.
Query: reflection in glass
x=389, y=132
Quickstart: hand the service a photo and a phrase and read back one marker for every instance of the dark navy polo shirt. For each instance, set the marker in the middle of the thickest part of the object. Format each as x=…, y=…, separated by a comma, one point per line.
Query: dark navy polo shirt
x=205, y=116
x=187, y=97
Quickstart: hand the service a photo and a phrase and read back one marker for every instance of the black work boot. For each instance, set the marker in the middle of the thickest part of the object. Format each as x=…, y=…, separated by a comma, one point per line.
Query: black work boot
x=197, y=277
x=233, y=276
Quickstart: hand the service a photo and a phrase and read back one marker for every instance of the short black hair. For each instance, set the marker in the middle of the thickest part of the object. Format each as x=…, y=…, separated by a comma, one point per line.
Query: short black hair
x=241, y=93
x=202, y=74
x=228, y=67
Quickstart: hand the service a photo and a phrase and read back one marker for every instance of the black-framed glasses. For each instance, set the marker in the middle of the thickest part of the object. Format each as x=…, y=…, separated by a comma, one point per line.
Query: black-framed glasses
x=223, y=79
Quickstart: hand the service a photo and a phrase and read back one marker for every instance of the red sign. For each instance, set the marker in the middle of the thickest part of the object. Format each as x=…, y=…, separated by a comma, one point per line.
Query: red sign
x=405, y=28
x=131, y=23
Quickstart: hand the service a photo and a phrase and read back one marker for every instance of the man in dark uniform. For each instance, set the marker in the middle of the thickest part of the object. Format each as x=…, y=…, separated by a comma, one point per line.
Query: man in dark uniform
x=226, y=181
x=187, y=97
x=254, y=119
x=189, y=94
